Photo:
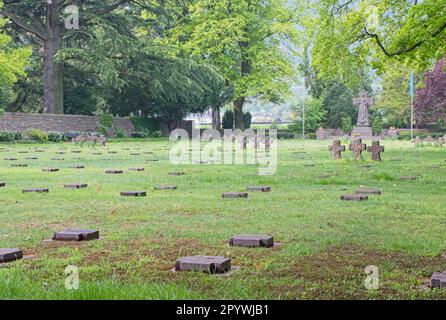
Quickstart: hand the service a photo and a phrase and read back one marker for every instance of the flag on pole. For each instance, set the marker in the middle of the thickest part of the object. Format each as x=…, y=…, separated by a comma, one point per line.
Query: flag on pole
x=411, y=84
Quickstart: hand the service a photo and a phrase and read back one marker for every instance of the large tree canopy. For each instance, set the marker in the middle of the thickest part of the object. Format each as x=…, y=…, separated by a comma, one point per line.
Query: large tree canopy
x=430, y=102
x=349, y=34
x=249, y=41
x=12, y=59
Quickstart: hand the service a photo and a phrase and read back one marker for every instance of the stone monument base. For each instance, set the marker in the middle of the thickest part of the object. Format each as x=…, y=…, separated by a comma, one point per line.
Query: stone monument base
x=362, y=132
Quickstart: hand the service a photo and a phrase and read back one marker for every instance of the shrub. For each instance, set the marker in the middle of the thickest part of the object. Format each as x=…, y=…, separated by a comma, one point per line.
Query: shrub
x=37, y=135
x=2, y=112
x=247, y=119
x=145, y=124
x=10, y=136
x=377, y=125
x=347, y=126
x=228, y=120
x=56, y=137
x=120, y=133
x=105, y=124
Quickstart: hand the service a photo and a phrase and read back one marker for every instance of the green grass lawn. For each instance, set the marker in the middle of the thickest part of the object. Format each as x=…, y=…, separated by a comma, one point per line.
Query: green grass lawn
x=325, y=243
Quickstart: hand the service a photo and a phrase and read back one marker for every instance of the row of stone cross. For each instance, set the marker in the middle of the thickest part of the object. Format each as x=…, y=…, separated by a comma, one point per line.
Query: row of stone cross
x=357, y=147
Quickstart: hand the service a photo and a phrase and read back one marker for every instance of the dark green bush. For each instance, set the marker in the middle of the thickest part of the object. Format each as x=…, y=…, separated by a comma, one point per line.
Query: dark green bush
x=247, y=119
x=228, y=120
x=10, y=136
x=56, y=137
x=144, y=124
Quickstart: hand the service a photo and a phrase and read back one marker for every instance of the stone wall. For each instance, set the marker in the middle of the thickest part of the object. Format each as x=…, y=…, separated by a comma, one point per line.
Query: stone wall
x=58, y=123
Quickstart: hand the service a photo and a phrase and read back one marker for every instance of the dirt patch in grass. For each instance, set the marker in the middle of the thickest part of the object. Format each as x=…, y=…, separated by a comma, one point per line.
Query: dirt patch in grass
x=339, y=273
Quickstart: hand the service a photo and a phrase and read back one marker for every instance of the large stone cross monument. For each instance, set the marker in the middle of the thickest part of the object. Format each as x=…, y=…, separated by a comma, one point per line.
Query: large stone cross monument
x=363, y=129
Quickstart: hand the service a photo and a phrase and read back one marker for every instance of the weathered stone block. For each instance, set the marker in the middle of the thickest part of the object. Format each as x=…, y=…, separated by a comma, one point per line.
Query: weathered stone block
x=76, y=235
x=252, y=241
x=207, y=264
x=8, y=255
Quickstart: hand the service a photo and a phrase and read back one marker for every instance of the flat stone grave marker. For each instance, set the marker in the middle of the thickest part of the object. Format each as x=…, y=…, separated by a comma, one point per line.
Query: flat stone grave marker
x=77, y=167
x=36, y=190
x=2, y=184
x=259, y=189
x=207, y=264
x=112, y=152
x=50, y=170
x=57, y=159
x=336, y=149
x=76, y=235
x=134, y=194
x=31, y=158
x=135, y=154
x=176, y=173
x=408, y=178
x=166, y=188
x=76, y=186
x=368, y=191
x=22, y=152
x=112, y=171
x=252, y=241
x=152, y=160
x=76, y=151
x=10, y=159
x=97, y=153
x=39, y=151
x=9, y=255
x=19, y=165
x=438, y=280
x=149, y=152
x=234, y=195
x=136, y=169
x=354, y=197
x=60, y=152
x=365, y=166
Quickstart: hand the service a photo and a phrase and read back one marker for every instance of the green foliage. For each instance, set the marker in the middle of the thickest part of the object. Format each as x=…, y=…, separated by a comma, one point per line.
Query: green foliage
x=377, y=124
x=2, y=112
x=37, y=135
x=247, y=119
x=80, y=100
x=337, y=102
x=105, y=124
x=56, y=137
x=120, y=133
x=352, y=34
x=347, y=125
x=9, y=136
x=314, y=115
x=142, y=124
x=228, y=120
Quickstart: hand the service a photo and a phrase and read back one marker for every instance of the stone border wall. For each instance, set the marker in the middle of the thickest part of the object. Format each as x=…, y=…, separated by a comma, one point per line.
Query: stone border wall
x=58, y=123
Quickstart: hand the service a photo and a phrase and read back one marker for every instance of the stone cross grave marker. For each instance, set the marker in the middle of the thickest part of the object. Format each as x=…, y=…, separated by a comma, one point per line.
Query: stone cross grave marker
x=336, y=149
x=376, y=151
x=207, y=264
x=8, y=255
x=76, y=235
x=252, y=241
x=357, y=147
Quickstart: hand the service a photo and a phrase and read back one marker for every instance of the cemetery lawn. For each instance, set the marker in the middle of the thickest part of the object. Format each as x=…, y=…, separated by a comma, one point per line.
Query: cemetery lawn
x=325, y=243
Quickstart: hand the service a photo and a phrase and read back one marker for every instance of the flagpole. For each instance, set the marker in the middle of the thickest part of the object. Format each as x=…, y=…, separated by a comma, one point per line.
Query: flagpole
x=411, y=105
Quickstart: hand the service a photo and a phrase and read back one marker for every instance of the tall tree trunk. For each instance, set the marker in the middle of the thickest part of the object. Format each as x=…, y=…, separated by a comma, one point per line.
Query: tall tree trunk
x=216, y=120
x=238, y=112
x=53, y=71
x=245, y=69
